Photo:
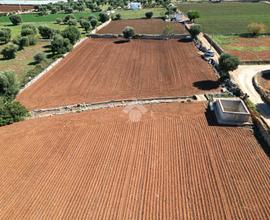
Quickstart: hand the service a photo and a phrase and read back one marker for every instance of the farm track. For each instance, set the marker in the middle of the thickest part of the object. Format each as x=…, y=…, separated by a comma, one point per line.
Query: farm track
x=172, y=164
x=100, y=70
x=143, y=26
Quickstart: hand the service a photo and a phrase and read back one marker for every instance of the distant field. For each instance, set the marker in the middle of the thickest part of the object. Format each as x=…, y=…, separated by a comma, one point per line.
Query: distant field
x=227, y=18
x=143, y=26
x=131, y=14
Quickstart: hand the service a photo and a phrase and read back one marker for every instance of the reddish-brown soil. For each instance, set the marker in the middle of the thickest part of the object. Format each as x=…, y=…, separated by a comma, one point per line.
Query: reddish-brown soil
x=100, y=70
x=99, y=165
x=249, y=54
x=12, y=8
x=143, y=26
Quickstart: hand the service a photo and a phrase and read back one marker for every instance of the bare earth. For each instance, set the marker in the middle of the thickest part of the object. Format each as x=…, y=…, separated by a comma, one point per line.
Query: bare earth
x=100, y=165
x=14, y=8
x=143, y=26
x=101, y=70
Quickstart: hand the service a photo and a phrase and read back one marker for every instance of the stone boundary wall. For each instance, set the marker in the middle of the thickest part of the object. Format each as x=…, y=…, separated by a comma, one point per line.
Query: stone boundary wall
x=101, y=26
x=141, y=36
x=217, y=47
x=263, y=129
x=265, y=96
x=254, y=62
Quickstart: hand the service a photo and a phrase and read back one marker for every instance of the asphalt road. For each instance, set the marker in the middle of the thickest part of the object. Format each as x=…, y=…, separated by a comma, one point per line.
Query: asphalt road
x=243, y=77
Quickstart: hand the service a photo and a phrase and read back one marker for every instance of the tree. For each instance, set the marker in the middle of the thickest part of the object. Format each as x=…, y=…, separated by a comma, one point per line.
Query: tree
x=192, y=15
x=257, y=28
x=195, y=30
x=9, y=52
x=72, y=22
x=128, y=32
x=60, y=45
x=39, y=57
x=11, y=111
x=59, y=20
x=86, y=25
x=15, y=19
x=228, y=62
x=68, y=10
x=8, y=85
x=103, y=17
x=72, y=33
x=45, y=32
x=149, y=14
x=67, y=18
x=93, y=23
x=23, y=42
x=5, y=35
x=28, y=29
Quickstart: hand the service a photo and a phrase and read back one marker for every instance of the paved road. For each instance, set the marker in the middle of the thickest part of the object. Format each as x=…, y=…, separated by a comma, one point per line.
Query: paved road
x=243, y=77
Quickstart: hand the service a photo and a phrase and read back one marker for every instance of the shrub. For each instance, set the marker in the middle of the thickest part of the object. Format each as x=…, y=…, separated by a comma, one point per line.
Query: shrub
x=72, y=22
x=72, y=33
x=69, y=10
x=11, y=111
x=60, y=45
x=27, y=32
x=128, y=32
x=149, y=14
x=9, y=52
x=85, y=25
x=30, y=26
x=118, y=17
x=228, y=62
x=103, y=17
x=32, y=40
x=192, y=15
x=257, y=28
x=45, y=32
x=59, y=20
x=195, y=30
x=67, y=18
x=23, y=42
x=39, y=57
x=5, y=35
x=93, y=23
x=8, y=85
x=92, y=17
x=15, y=19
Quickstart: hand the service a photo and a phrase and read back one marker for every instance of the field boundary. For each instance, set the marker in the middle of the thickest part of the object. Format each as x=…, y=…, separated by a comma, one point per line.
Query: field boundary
x=260, y=89
x=57, y=61
x=112, y=104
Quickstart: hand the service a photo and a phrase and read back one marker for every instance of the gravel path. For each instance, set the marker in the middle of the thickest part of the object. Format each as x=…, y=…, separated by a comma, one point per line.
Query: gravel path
x=243, y=77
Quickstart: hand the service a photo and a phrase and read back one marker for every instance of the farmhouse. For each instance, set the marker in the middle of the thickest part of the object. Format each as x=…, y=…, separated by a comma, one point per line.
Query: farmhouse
x=134, y=5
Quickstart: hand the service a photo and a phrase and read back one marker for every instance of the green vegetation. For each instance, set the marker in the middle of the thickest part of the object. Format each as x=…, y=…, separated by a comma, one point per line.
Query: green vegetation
x=195, y=30
x=149, y=14
x=128, y=32
x=228, y=62
x=256, y=28
x=192, y=15
x=228, y=18
x=132, y=14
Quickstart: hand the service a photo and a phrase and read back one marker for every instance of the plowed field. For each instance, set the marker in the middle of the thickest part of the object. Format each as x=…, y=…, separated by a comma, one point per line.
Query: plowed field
x=12, y=8
x=100, y=165
x=143, y=26
x=101, y=70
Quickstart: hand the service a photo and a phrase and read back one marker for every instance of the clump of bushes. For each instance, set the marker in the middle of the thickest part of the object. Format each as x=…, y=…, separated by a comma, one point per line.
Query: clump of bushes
x=149, y=14
x=257, y=28
x=195, y=30
x=9, y=52
x=15, y=19
x=116, y=17
x=60, y=45
x=192, y=15
x=85, y=25
x=103, y=17
x=39, y=57
x=45, y=32
x=228, y=63
x=58, y=20
x=5, y=35
x=93, y=23
x=72, y=33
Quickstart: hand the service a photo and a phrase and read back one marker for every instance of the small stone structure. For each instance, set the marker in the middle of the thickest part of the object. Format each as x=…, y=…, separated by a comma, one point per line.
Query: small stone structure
x=231, y=111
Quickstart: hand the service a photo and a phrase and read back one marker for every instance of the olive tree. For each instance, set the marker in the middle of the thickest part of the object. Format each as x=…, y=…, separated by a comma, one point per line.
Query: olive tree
x=128, y=32
x=192, y=15
x=9, y=52
x=195, y=30
x=5, y=35
x=228, y=62
x=15, y=19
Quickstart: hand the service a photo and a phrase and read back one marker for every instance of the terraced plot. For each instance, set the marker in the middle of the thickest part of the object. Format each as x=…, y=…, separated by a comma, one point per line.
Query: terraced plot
x=101, y=70
x=143, y=26
x=100, y=165
x=13, y=8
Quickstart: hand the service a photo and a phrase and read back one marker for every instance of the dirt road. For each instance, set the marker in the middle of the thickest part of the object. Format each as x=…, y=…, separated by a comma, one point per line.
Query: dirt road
x=243, y=77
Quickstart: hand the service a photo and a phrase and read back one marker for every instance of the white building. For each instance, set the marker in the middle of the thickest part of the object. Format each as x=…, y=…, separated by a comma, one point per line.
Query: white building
x=134, y=5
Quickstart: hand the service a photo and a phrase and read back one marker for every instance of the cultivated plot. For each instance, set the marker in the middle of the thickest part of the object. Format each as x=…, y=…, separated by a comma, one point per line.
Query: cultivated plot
x=102, y=70
x=13, y=8
x=144, y=26
x=100, y=165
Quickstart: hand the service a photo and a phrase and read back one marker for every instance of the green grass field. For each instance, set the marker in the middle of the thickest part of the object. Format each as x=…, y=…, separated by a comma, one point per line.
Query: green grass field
x=228, y=18
x=132, y=14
